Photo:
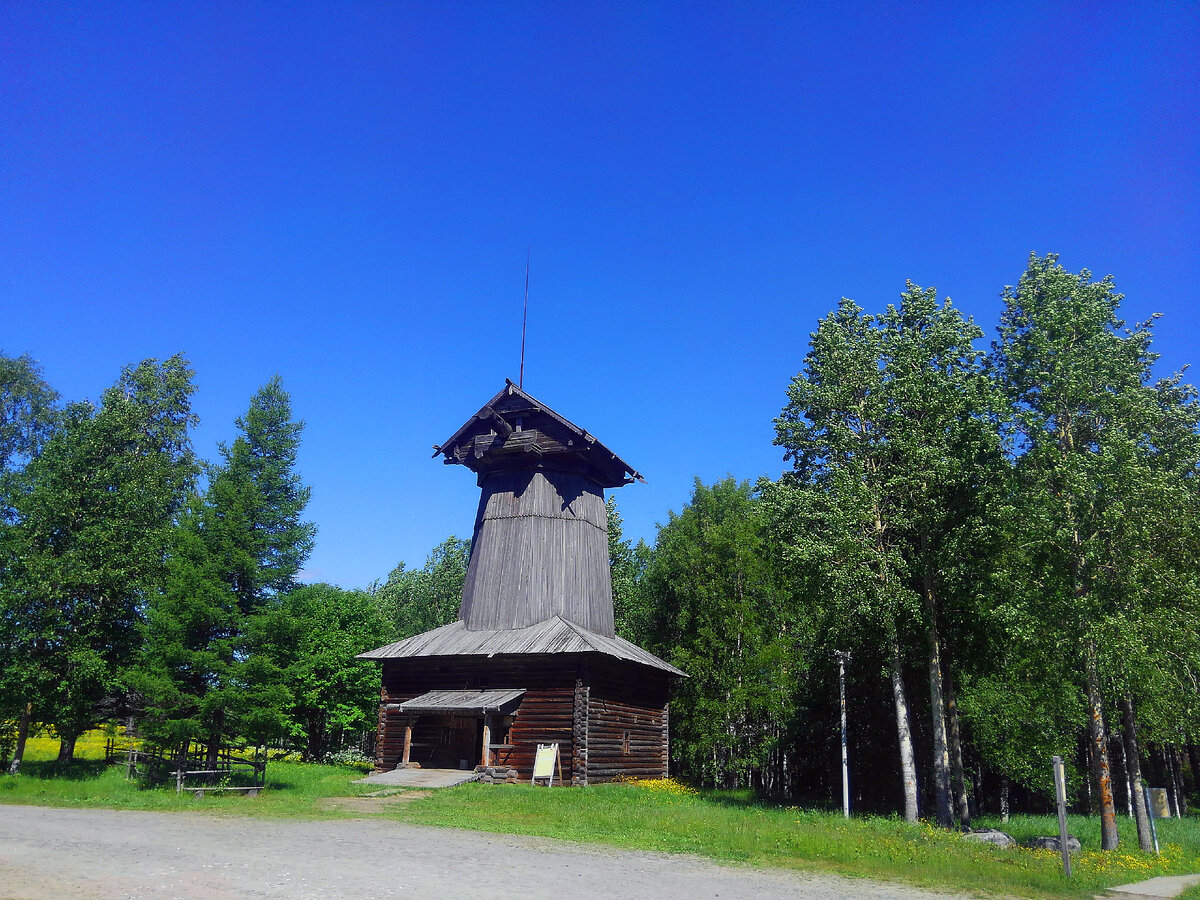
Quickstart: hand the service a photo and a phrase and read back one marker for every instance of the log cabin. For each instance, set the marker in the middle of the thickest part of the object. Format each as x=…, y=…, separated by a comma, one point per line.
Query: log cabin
x=533, y=657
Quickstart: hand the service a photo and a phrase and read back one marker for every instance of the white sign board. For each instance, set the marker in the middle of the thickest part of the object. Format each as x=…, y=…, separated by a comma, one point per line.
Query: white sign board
x=543, y=763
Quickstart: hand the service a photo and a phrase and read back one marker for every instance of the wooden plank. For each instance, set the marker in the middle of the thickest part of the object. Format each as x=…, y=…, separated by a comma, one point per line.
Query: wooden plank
x=540, y=549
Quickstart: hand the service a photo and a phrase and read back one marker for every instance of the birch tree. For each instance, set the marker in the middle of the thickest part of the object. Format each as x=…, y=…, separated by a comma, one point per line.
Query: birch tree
x=1090, y=430
x=889, y=420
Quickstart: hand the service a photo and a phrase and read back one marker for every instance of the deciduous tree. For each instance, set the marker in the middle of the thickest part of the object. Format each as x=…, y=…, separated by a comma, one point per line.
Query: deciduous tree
x=419, y=600
x=94, y=512
x=889, y=422
x=1095, y=440
x=312, y=637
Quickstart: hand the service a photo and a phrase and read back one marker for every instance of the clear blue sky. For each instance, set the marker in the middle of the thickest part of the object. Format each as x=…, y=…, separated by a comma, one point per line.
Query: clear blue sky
x=345, y=193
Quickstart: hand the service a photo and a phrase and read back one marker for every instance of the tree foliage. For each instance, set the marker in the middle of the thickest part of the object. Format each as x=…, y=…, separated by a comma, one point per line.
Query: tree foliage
x=28, y=410
x=94, y=515
x=419, y=600
x=311, y=638
x=236, y=556
x=632, y=610
x=723, y=617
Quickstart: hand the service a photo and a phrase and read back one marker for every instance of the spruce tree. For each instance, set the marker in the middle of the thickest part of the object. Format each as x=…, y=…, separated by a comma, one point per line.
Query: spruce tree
x=236, y=553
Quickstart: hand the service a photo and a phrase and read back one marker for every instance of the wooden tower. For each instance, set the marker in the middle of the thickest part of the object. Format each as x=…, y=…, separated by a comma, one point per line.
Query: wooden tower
x=533, y=657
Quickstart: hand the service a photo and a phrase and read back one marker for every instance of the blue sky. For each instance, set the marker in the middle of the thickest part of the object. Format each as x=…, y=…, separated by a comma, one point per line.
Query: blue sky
x=344, y=194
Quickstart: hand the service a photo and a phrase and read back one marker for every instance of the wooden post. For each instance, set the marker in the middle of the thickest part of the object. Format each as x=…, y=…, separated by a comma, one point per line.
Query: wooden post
x=579, y=731
x=1060, y=794
x=487, y=739
x=408, y=724
x=1150, y=817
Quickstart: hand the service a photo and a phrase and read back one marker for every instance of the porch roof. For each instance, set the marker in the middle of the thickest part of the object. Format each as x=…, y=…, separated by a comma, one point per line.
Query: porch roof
x=462, y=702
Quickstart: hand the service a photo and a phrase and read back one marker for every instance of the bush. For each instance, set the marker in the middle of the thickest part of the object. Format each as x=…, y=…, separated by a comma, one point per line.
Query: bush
x=350, y=756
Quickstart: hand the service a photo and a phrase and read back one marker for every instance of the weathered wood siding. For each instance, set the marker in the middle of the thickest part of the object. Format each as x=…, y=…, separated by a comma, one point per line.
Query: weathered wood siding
x=544, y=716
x=608, y=717
x=626, y=722
x=540, y=549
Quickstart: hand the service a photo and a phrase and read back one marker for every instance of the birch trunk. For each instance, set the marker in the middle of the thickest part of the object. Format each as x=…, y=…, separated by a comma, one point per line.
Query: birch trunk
x=957, y=769
x=1101, y=772
x=941, y=751
x=1177, y=781
x=1133, y=765
x=908, y=768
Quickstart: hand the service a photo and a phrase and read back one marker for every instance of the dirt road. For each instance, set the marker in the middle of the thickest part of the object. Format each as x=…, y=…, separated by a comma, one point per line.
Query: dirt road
x=70, y=853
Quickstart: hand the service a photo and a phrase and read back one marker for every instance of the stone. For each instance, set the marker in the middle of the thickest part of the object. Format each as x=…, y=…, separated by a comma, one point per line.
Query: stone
x=992, y=836
x=1050, y=842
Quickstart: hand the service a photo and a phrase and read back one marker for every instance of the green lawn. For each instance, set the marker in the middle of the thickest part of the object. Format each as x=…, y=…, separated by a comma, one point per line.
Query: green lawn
x=726, y=826
x=733, y=827
x=293, y=789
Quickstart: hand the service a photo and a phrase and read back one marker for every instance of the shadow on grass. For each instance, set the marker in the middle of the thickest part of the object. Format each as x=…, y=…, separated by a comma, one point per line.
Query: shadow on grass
x=749, y=800
x=75, y=770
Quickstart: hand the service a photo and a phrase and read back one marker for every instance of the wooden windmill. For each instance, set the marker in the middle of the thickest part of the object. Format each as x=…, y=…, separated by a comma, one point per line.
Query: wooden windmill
x=533, y=657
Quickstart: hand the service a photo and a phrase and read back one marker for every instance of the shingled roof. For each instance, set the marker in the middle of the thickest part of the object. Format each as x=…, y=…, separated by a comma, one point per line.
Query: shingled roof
x=553, y=636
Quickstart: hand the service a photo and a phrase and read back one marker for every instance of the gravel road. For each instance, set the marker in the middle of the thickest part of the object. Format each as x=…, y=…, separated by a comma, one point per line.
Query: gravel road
x=72, y=853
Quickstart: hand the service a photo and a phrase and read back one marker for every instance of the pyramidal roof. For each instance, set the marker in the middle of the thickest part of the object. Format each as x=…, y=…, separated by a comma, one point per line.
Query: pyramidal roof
x=516, y=431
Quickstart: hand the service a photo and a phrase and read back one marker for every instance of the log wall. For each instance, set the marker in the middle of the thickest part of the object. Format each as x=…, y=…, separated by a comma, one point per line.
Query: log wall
x=540, y=549
x=626, y=723
x=608, y=717
x=544, y=716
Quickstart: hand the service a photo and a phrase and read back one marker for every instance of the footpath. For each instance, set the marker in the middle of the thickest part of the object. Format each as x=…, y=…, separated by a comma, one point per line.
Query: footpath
x=1163, y=886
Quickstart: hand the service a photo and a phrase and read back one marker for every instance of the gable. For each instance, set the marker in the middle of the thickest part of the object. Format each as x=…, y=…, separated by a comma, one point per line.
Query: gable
x=516, y=431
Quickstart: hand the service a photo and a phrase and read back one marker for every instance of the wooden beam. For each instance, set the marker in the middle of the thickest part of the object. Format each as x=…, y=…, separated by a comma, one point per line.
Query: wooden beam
x=408, y=725
x=503, y=428
x=487, y=740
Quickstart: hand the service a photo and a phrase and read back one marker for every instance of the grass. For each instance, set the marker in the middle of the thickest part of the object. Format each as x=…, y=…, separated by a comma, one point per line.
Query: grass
x=726, y=826
x=734, y=827
x=293, y=789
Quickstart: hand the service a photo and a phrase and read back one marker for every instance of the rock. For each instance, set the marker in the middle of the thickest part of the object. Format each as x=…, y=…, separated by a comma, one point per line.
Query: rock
x=991, y=836
x=1048, y=842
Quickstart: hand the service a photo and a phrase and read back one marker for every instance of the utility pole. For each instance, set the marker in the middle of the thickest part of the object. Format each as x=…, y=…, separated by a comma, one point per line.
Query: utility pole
x=843, y=656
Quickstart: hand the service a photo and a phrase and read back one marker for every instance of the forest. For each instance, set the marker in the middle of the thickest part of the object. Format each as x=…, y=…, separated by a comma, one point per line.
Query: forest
x=1002, y=531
